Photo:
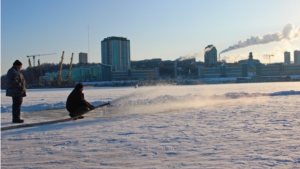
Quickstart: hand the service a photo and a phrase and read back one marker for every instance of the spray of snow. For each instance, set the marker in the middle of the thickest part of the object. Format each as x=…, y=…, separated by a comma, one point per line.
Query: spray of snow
x=158, y=101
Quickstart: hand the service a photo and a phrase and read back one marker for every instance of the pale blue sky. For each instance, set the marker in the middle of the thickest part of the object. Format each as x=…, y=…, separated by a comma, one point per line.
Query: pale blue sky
x=165, y=29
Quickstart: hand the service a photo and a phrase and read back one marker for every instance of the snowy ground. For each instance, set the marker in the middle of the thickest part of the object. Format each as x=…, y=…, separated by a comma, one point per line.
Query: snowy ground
x=205, y=126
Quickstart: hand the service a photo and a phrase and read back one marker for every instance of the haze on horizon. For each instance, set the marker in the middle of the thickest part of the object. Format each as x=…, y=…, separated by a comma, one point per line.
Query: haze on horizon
x=156, y=29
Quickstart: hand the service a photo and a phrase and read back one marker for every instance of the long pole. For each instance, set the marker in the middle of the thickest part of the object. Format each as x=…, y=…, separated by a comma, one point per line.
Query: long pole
x=49, y=122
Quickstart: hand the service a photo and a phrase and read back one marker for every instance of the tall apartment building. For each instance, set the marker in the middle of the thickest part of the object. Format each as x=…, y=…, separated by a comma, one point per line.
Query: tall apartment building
x=297, y=57
x=287, y=58
x=115, y=51
x=210, y=56
x=83, y=57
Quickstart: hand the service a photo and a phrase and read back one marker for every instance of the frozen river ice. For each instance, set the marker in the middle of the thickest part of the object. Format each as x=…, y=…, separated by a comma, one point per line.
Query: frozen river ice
x=205, y=126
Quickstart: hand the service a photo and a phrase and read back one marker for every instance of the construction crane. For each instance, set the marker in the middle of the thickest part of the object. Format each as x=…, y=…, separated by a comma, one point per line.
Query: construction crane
x=269, y=57
x=33, y=57
x=31, y=70
x=70, y=70
x=41, y=73
x=40, y=67
x=59, y=78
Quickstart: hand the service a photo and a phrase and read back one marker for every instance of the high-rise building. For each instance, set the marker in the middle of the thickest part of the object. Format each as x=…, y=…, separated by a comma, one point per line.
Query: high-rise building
x=115, y=51
x=287, y=58
x=210, y=56
x=297, y=57
x=83, y=57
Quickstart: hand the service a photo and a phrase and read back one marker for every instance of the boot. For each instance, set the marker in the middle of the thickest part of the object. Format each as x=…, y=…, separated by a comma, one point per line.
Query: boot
x=80, y=117
x=18, y=121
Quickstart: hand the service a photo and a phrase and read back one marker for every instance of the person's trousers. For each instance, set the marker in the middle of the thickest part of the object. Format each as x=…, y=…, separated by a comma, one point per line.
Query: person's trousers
x=16, y=107
x=79, y=111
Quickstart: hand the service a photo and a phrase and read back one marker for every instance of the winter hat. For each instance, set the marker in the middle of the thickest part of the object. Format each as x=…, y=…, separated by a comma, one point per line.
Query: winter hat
x=17, y=63
x=79, y=86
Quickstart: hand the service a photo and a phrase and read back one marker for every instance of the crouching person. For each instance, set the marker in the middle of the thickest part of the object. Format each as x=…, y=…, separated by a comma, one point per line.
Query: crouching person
x=76, y=104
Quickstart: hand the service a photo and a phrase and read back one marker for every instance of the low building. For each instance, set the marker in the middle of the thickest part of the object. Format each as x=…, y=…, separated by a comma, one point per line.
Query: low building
x=221, y=71
x=80, y=74
x=272, y=70
x=291, y=70
x=135, y=74
x=49, y=77
x=94, y=73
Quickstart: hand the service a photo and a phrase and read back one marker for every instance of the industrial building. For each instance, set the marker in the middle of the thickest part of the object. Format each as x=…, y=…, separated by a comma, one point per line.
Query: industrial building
x=83, y=57
x=115, y=51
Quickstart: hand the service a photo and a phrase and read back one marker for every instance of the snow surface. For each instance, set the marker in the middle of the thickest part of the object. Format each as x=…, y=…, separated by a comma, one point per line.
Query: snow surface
x=206, y=126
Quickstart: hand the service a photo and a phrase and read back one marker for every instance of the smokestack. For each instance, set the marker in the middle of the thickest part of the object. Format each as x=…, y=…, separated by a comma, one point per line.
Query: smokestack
x=288, y=33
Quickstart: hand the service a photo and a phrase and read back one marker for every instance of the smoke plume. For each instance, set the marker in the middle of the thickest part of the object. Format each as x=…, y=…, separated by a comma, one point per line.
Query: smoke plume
x=190, y=56
x=181, y=58
x=288, y=33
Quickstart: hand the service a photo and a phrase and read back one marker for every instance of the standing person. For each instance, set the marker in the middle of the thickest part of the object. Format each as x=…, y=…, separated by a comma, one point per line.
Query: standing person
x=76, y=104
x=16, y=88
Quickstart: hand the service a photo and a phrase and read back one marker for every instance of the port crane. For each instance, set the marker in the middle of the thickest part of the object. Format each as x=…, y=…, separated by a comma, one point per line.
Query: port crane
x=31, y=70
x=269, y=58
x=59, y=77
x=70, y=70
x=33, y=57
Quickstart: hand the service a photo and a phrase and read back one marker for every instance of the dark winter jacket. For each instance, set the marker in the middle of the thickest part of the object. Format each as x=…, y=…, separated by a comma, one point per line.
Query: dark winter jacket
x=16, y=85
x=76, y=100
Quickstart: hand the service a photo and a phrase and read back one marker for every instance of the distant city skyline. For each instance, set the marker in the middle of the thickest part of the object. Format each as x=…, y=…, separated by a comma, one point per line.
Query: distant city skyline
x=157, y=29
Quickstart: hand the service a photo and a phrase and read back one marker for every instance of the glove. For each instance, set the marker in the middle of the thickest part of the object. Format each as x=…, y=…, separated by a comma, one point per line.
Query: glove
x=92, y=107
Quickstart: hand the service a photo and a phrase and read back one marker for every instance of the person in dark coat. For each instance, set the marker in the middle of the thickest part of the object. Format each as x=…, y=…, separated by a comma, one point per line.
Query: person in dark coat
x=16, y=88
x=76, y=104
